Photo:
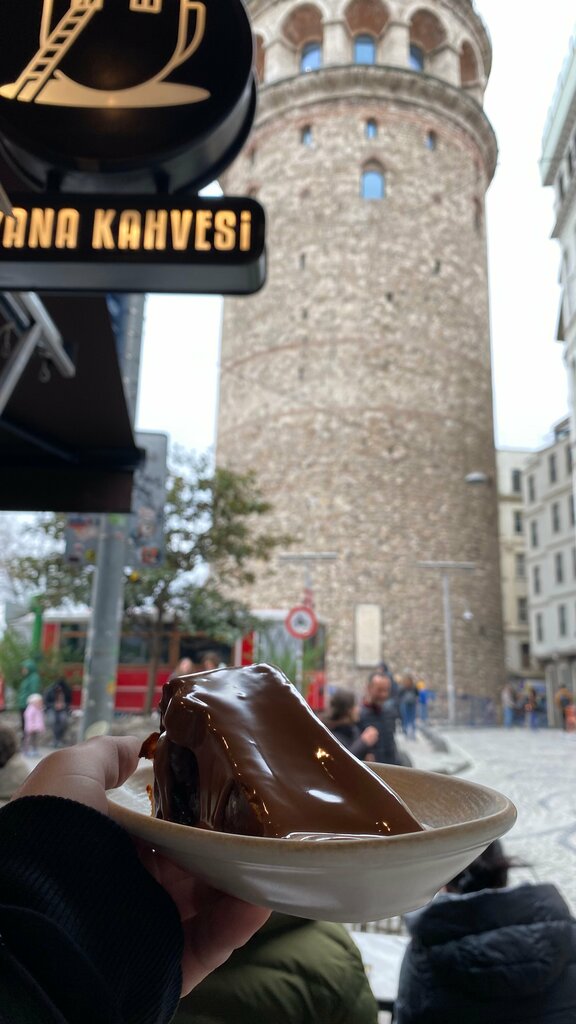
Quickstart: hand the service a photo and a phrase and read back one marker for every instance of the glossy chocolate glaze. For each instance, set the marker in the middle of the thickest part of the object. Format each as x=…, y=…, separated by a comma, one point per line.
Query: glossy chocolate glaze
x=241, y=751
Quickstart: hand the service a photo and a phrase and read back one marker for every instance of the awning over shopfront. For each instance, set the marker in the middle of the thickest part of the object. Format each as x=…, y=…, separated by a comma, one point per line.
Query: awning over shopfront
x=66, y=443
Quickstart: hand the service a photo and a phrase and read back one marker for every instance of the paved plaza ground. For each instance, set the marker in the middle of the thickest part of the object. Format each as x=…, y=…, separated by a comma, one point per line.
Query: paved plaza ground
x=537, y=771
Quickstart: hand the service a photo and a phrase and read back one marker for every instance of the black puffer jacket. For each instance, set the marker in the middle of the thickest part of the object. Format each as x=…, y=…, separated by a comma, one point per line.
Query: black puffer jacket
x=499, y=956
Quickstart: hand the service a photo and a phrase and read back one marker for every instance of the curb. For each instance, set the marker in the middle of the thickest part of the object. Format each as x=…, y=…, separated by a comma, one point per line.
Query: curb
x=451, y=759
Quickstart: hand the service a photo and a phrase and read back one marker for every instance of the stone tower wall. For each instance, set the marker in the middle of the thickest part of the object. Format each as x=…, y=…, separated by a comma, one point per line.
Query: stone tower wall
x=357, y=384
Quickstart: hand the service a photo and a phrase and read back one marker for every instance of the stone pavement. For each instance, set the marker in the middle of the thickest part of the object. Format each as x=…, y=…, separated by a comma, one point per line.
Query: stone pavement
x=537, y=771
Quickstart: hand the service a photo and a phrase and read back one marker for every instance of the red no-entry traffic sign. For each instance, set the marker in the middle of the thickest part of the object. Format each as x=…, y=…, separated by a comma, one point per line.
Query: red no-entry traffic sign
x=301, y=622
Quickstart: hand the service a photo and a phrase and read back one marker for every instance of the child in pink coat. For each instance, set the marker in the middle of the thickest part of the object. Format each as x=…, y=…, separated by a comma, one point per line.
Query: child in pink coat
x=33, y=723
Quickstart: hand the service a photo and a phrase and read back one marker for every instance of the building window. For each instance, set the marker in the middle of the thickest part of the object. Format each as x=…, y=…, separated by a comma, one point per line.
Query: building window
x=571, y=511
x=364, y=50
x=370, y=128
x=531, y=489
x=560, y=186
x=539, y=627
x=431, y=140
x=516, y=481
x=525, y=655
x=534, y=533
x=552, y=469
x=559, y=567
x=520, y=566
x=306, y=135
x=416, y=58
x=522, y=610
x=574, y=561
x=518, y=521
x=373, y=184
x=568, y=459
x=311, y=58
x=536, y=579
x=555, y=510
x=562, y=629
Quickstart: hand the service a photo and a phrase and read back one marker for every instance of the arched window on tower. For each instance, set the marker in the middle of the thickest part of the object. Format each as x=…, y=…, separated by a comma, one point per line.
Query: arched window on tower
x=431, y=140
x=373, y=182
x=311, y=58
x=370, y=129
x=364, y=49
x=306, y=137
x=416, y=58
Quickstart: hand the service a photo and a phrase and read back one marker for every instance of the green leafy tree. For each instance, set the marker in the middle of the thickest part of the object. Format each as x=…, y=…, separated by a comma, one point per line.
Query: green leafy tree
x=214, y=531
x=13, y=651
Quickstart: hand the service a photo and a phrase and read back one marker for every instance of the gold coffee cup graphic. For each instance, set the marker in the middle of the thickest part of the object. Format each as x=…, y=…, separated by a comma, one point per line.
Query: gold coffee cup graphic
x=43, y=81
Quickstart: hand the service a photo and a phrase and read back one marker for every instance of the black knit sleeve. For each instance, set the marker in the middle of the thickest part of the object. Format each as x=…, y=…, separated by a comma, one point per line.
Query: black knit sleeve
x=86, y=934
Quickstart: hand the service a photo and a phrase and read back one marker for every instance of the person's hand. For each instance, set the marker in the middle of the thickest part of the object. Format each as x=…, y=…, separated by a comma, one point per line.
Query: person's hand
x=214, y=924
x=370, y=735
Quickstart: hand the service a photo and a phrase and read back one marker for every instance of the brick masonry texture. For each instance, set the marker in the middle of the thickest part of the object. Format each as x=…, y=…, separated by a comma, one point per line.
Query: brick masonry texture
x=357, y=384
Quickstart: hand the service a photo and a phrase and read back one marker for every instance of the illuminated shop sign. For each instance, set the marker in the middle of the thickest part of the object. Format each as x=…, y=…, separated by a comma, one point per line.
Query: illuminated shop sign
x=126, y=243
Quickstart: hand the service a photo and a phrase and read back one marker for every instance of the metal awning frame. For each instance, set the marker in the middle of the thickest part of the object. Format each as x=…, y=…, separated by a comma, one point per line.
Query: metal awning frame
x=27, y=315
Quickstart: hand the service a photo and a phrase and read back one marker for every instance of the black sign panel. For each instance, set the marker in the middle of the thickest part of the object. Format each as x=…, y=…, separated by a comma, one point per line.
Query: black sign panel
x=147, y=90
x=135, y=244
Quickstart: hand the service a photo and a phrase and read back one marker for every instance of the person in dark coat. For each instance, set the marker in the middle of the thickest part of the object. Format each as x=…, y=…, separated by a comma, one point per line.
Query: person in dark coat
x=58, y=702
x=381, y=711
x=342, y=720
x=486, y=954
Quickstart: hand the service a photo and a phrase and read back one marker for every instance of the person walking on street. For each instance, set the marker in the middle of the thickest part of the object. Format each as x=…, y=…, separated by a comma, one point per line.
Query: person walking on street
x=30, y=684
x=380, y=710
x=408, y=701
x=33, y=724
x=342, y=720
x=509, y=699
x=563, y=700
x=533, y=708
x=58, y=701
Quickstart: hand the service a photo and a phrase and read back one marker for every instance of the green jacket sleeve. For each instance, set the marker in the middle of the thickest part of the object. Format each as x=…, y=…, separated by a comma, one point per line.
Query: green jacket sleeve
x=292, y=972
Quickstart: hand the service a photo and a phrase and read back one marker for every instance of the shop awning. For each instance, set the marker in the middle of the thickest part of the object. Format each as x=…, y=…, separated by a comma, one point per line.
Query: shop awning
x=66, y=443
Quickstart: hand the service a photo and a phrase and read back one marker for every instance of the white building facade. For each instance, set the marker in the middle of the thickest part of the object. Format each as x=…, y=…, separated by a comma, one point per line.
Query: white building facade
x=551, y=559
x=558, y=169
x=520, y=664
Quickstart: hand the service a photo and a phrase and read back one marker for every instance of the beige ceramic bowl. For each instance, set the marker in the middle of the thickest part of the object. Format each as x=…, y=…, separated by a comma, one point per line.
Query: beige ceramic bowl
x=342, y=880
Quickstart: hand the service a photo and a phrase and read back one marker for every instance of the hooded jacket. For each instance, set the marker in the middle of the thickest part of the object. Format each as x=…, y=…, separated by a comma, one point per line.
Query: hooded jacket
x=503, y=956
x=293, y=971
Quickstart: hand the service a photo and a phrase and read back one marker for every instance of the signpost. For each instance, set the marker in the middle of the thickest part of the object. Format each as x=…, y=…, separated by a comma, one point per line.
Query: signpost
x=301, y=623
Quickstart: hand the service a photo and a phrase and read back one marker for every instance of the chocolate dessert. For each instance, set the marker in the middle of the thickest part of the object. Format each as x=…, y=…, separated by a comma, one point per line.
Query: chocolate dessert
x=240, y=751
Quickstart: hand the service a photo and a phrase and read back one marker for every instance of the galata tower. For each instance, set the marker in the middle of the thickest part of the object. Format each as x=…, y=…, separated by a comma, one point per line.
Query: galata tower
x=357, y=383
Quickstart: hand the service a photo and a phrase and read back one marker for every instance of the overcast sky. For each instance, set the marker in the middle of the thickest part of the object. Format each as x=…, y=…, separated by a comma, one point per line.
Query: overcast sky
x=178, y=388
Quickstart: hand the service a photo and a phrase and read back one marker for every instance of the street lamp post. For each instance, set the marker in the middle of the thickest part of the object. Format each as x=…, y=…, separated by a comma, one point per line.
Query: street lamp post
x=445, y=568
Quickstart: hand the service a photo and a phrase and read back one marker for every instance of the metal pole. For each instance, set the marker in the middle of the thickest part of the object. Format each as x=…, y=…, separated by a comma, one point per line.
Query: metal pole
x=450, y=693
x=101, y=662
x=299, y=665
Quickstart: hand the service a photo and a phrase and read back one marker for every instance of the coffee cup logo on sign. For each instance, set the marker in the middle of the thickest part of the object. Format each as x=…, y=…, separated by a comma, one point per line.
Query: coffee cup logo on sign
x=158, y=93
x=44, y=79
